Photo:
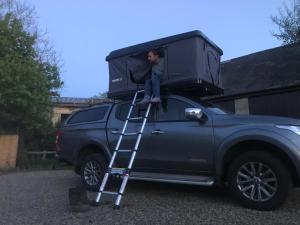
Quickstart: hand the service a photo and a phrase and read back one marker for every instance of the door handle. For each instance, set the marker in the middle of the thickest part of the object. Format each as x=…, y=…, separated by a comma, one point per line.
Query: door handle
x=116, y=131
x=157, y=132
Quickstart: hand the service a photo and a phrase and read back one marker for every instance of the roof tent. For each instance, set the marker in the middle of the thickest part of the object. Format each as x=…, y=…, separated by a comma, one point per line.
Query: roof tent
x=191, y=64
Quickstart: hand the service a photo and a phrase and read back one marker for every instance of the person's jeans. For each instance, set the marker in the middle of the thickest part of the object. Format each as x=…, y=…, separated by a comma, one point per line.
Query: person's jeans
x=152, y=86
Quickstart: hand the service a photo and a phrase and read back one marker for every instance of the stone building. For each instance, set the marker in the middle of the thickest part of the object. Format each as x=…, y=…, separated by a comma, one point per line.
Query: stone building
x=64, y=106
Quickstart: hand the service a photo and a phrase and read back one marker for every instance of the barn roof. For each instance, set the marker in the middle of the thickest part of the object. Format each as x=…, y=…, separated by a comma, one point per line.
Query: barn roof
x=273, y=68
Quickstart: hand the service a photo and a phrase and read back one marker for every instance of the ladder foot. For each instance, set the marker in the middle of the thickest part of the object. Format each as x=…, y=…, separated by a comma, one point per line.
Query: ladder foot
x=116, y=207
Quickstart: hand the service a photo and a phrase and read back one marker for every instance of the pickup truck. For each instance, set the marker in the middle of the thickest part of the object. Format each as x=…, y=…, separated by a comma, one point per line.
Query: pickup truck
x=189, y=141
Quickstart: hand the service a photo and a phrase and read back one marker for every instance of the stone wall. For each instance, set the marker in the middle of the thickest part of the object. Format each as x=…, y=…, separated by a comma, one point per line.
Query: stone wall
x=8, y=151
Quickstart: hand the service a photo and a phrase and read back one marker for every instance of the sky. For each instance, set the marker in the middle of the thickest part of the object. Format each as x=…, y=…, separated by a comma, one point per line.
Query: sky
x=83, y=33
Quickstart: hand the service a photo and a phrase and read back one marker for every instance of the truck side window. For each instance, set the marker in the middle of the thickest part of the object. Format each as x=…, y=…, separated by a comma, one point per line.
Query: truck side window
x=138, y=111
x=88, y=115
x=171, y=109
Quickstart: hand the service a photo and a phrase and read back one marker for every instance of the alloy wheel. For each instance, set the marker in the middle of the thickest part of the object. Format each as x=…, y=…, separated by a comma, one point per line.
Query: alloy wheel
x=92, y=172
x=257, y=181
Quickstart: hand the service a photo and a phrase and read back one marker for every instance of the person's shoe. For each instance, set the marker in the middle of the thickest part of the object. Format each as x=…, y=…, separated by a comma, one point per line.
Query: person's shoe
x=155, y=100
x=145, y=100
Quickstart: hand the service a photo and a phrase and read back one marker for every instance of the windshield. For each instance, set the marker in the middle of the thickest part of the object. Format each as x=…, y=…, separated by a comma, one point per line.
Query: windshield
x=217, y=110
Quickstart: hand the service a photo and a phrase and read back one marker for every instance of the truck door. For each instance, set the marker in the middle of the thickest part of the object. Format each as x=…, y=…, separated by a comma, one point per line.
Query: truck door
x=115, y=124
x=177, y=144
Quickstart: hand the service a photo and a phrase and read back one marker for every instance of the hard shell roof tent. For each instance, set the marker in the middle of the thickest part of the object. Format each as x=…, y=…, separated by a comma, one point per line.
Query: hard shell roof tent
x=191, y=64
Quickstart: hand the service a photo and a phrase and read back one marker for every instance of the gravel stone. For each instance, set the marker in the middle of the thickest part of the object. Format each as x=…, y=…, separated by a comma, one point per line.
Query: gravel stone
x=41, y=197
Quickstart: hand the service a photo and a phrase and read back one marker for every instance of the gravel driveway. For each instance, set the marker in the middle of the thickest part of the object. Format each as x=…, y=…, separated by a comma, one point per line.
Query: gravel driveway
x=41, y=197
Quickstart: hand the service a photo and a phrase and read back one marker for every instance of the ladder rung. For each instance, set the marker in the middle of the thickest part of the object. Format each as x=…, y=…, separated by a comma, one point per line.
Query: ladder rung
x=126, y=134
x=135, y=118
x=125, y=150
x=131, y=134
x=140, y=91
x=120, y=171
x=110, y=192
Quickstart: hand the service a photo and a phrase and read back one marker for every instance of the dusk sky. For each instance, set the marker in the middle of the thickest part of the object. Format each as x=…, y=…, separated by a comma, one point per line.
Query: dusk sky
x=84, y=32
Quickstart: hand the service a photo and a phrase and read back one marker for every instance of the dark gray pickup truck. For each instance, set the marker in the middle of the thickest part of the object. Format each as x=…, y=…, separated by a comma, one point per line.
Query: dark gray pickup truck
x=189, y=141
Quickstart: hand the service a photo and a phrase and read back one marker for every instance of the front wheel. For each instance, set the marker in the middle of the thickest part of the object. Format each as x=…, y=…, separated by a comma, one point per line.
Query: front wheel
x=92, y=171
x=259, y=180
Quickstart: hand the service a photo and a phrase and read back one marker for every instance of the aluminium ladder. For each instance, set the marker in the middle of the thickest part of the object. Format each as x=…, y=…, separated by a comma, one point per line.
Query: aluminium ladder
x=123, y=172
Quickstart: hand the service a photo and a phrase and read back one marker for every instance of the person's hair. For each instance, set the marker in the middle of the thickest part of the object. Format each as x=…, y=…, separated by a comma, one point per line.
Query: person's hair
x=155, y=52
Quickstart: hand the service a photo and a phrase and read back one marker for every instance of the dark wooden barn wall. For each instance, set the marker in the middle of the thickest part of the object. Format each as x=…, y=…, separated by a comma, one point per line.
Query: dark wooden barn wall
x=227, y=105
x=281, y=104
x=276, y=104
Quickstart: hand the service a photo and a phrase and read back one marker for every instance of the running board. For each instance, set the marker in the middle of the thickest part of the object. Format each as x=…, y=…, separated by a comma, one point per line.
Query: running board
x=173, y=178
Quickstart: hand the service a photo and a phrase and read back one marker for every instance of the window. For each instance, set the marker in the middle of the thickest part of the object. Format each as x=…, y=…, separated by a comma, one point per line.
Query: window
x=212, y=107
x=88, y=115
x=171, y=109
x=63, y=117
x=138, y=111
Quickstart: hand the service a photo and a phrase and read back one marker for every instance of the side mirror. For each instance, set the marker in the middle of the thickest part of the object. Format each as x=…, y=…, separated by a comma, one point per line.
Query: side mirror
x=194, y=114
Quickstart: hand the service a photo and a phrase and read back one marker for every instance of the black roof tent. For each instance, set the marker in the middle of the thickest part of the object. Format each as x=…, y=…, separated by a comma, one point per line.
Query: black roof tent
x=158, y=43
x=191, y=64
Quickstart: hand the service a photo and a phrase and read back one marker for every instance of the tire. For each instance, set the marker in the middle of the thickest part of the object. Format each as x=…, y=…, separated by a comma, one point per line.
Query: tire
x=92, y=171
x=259, y=180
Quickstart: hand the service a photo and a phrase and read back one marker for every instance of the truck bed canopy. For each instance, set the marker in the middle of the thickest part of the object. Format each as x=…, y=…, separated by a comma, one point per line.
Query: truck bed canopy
x=191, y=64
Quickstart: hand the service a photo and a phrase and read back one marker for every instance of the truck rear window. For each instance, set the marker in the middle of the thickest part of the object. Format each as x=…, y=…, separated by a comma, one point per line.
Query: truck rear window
x=122, y=112
x=88, y=115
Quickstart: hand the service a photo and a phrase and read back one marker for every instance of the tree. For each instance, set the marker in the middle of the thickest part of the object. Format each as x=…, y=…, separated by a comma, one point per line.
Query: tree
x=288, y=23
x=29, y=73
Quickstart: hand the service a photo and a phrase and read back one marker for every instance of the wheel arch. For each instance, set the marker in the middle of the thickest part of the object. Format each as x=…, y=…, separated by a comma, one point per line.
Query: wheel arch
x=241, y=147
x=91, y=148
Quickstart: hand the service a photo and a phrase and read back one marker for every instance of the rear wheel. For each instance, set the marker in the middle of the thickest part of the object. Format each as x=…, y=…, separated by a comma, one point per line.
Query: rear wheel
x=259, y=180
x=92, y=171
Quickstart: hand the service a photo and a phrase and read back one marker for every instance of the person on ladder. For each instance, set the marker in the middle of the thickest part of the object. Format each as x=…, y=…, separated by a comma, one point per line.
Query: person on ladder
x=152, y=85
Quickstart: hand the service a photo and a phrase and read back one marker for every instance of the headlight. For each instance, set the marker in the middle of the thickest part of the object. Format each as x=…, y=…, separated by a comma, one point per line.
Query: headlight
x=295, y=129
